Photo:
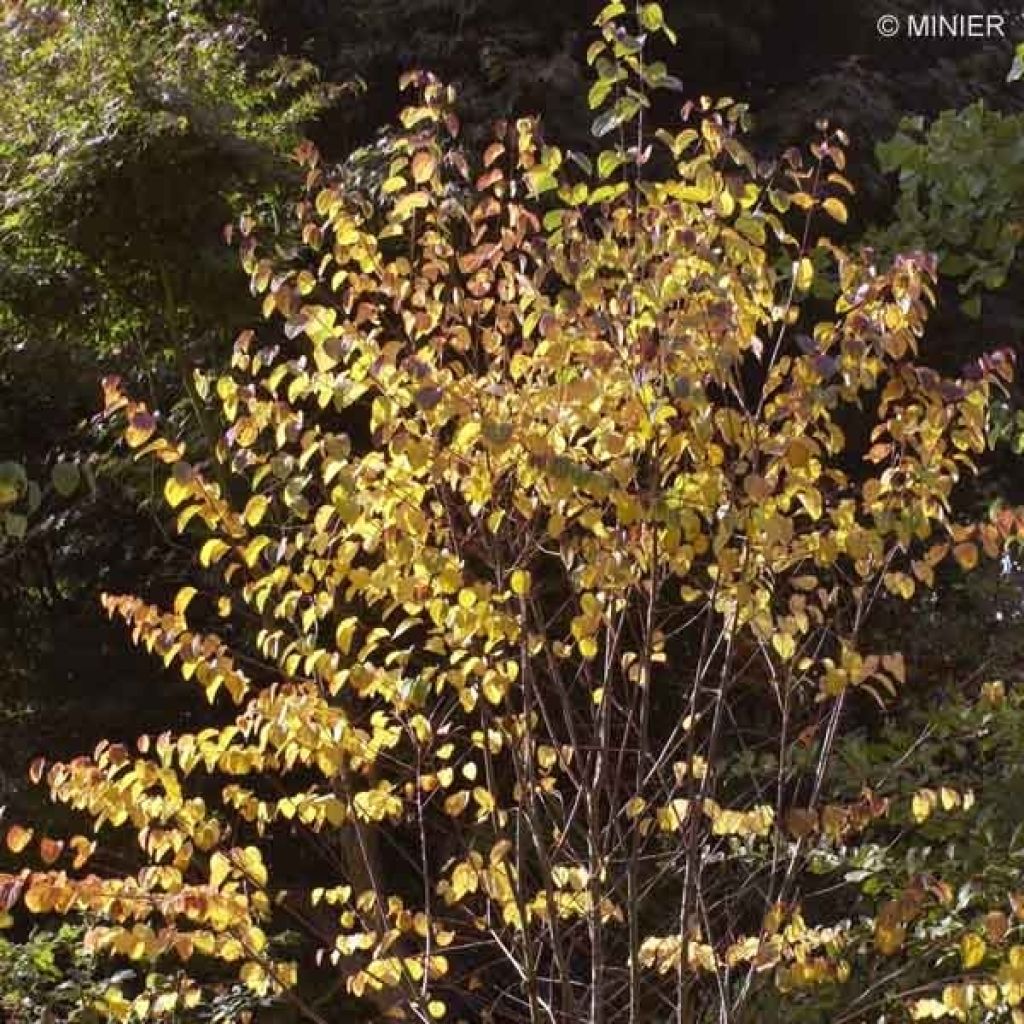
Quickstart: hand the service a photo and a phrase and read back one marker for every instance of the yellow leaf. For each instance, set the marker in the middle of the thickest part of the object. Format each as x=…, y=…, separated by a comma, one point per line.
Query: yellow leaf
x=377, y=804
x=250, y=860
x=889, y=937
x=972, y=950
x=253, y=977
x=835, y=209
x=811, y=501
x=928, y=1009
x=803, y=274
x=725, y=204
x=212, y=551
x=436, y=1009
x=483, y=799
x=673, y=815
x=494, y=687
x=547, y=757
x=652, y=17
x=176, y=491
x=784, y=644
x=520, y=582
x=39, y=898
x=500, y=851
x=220, y=867
x=955, y=997
x=256, y=509
x=465, y=880
x=83, y=849
x=183, y=598
x=922, y=804
x=411, y=202
x=344, y=633
x=635, y=807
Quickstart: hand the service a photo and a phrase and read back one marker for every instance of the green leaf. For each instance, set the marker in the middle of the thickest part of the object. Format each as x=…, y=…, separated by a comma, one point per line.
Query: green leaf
x=655, y=74
x=627, y=45
x=541, y=180
x=15, y=525
x=33, y=497
x=652, y=17
x=606, y=193
x=66, y=477
x=896, y=152
x=609, y=11
x=608, y=163
x=583, y=162
x=553, y=219
x=751, y=228
x=605, y=123
x=13, y=482
x=1016, y=72
x=599, y=92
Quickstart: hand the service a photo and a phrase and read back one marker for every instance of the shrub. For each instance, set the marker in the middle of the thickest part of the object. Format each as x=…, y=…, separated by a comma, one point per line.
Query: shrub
x=552, y=522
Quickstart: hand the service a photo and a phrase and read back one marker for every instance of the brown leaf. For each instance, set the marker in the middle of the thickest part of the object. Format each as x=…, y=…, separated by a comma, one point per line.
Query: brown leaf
x=50, y=849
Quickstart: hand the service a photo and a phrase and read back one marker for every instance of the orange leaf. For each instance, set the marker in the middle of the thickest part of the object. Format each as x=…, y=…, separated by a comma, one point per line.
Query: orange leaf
x=966, y=555
x=50, y=849
x=18, y=838
x=83, y=849
x=423, y=166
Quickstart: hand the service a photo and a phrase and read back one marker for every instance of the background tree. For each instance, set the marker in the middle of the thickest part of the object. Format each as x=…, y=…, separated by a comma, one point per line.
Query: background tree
x=132, y=134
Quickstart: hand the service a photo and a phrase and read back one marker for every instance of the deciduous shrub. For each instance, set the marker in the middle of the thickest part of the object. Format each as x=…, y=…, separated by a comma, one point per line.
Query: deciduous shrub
x=551, y=516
